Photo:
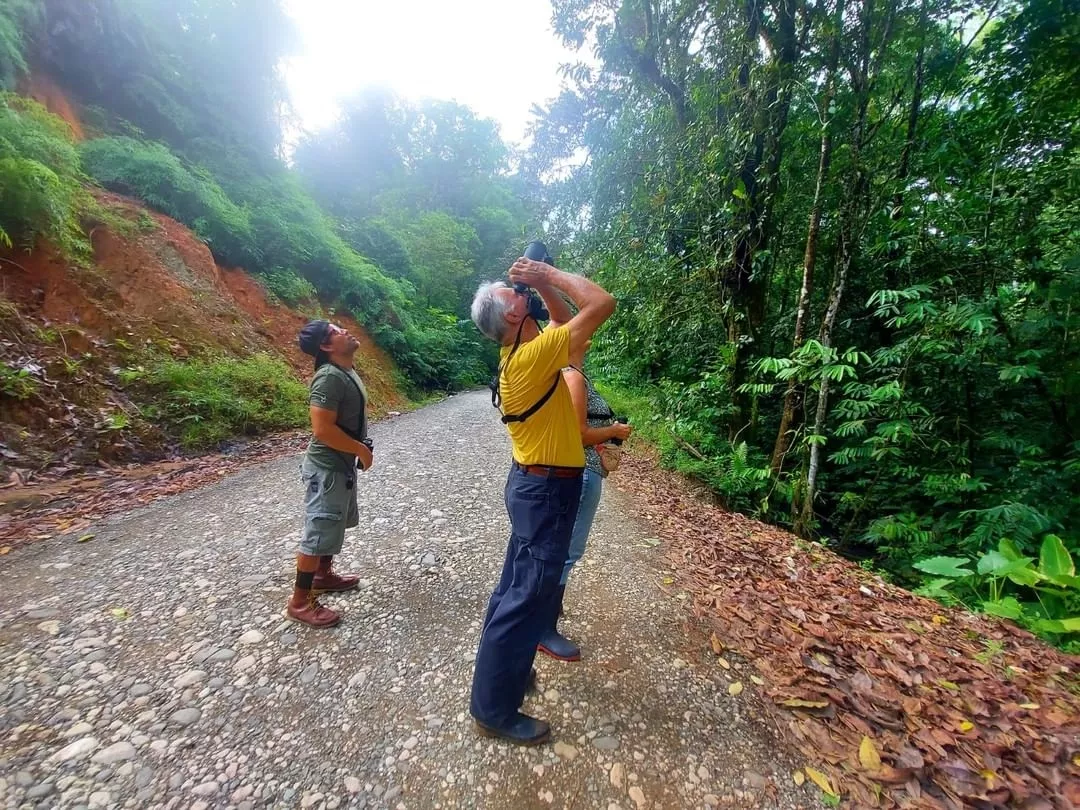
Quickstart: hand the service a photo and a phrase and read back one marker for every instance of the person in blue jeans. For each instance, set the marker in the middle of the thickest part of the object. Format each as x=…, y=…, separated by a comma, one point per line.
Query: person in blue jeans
x=597, y=424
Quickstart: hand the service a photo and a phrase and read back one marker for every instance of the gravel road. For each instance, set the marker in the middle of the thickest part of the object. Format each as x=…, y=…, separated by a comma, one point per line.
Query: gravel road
x=150, y=665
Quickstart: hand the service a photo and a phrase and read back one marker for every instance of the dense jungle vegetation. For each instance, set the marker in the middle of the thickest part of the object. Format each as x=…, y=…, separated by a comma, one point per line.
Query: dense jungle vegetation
x=844, y=235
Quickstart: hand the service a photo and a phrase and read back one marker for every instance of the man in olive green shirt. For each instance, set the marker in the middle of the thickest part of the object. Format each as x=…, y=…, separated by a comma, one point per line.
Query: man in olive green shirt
x=339, y=446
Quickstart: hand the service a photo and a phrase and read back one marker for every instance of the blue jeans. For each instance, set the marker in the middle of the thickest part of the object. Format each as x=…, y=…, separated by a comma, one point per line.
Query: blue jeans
x=542, y=511
x=591, y=484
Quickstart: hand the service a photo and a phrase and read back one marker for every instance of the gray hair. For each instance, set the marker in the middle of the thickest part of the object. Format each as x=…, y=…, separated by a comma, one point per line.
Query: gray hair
x=489, y=310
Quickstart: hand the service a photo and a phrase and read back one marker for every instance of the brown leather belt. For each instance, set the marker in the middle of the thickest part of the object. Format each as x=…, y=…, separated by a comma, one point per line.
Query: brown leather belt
x=550, y=472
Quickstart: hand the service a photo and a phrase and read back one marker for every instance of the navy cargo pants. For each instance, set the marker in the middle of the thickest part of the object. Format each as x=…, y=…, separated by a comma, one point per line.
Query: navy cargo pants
x=542, y=509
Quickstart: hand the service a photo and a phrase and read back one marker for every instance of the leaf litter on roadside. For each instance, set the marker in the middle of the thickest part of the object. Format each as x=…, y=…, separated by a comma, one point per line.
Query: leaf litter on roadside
x=74, y=505
x=889, y=696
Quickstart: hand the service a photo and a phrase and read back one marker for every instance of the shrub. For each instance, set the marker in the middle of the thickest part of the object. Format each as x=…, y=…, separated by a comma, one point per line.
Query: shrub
x=378, y=243
x=14, y=15
x=286, y=286
x=17, y=383
x=41, y=192
x=153, y=174
x=209, y=400
x=1042, y=595
x=443, y=352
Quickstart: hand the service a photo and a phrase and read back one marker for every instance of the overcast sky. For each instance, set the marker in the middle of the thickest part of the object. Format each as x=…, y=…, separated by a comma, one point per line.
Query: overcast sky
x=496, y=56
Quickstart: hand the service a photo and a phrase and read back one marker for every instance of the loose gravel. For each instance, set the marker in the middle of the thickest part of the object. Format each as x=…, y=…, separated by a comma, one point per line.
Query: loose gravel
x=150, y=665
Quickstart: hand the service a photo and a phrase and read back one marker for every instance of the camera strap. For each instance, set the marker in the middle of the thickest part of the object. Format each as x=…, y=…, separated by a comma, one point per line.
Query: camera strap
x=521, y=417
x=496, y=396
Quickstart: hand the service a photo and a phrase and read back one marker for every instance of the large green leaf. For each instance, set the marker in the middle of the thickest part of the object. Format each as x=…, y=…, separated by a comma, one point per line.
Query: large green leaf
x=1070, y=625
x=1007, y=608
x=1008, y=549
x=937, y=589
x=1025, y=576
x=1054, y=558
x=952, y=567
x=996, y=564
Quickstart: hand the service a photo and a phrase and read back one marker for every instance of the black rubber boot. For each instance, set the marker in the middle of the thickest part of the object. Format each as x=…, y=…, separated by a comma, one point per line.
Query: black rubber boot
x=552, y=642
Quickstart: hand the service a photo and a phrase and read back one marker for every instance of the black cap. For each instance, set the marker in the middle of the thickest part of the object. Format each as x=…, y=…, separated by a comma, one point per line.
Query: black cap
x=313, y=336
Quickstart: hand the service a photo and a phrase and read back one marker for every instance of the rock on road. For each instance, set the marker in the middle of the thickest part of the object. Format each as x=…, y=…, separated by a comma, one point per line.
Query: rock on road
x=151, y=666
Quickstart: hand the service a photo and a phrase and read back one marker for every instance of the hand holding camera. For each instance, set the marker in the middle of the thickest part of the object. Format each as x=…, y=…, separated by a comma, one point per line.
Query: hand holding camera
x=533, y=268
x=364, y=455
x=529, y=273
x=621, y=431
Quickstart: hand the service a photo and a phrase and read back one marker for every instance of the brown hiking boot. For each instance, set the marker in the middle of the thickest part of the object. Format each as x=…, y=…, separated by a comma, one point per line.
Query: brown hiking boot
x=334, y=582
x=313, y=614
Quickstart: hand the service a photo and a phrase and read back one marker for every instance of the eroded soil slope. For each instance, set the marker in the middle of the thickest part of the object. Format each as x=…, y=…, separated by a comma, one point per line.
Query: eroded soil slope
x=69, y=333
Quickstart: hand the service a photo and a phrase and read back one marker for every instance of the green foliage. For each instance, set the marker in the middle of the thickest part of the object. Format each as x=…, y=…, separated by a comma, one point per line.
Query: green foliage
x=180, y=71
x=15, y=17
x=209, y=400
x=189, y=98
x=1045, y=597
x=849, y=291
x=275, y=230
x=292, y=232
x=286, y=286
x=738, y=475
x=40, y=180
x=421, y=190
x=374, y=241
x=447, y=353
x=945, y=566
x=153, y=174
x=17, y=383
x=441, y=250
x=117, y=420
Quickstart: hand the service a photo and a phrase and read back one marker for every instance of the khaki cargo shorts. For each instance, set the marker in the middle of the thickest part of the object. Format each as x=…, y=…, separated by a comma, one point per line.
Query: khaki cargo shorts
x=329, y=509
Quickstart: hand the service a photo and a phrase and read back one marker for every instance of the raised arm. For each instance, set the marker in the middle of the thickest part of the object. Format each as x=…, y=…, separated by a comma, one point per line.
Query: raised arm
x=594, y=304
x=556, y=304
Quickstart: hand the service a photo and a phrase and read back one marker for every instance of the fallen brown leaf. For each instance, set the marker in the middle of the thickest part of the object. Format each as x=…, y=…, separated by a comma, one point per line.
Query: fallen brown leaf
x=905, y=674
x=868, y=755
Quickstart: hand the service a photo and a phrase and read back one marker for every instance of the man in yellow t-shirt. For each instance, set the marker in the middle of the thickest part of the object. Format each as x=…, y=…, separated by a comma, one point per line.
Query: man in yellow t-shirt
x=544, y=485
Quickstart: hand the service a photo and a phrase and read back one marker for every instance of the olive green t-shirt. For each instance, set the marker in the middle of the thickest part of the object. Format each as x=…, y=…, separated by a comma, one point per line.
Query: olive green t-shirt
x=332, y=390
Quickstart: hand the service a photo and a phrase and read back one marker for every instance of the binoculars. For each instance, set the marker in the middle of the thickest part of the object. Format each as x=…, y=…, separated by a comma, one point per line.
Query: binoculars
x=538, y=252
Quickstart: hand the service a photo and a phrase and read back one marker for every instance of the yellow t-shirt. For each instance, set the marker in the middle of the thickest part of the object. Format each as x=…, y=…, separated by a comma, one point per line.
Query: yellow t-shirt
x=551, y=435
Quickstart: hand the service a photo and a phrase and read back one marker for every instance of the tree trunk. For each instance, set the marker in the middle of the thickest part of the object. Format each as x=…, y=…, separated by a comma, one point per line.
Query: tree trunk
x=769, y=120
x=836, y=295
x=793, y=396
x=738, y=279
x=852, y=213
x=785, y=43
x=903, y=169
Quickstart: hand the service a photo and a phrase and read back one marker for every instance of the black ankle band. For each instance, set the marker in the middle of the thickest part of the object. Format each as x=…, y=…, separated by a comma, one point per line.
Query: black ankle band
x=304, y=579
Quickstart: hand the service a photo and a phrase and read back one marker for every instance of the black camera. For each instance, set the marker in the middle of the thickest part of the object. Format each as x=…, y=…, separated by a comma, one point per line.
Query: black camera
x=538, y=252
x=622, y=420
x=370, y=445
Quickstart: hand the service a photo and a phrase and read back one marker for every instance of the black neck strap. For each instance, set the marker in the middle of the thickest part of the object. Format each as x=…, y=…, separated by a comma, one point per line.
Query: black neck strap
x=496, y=396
